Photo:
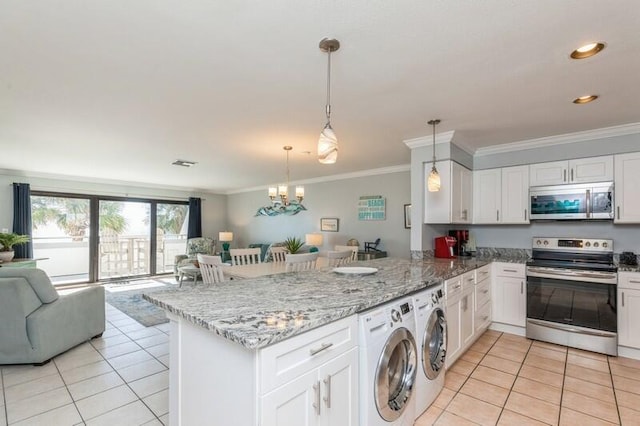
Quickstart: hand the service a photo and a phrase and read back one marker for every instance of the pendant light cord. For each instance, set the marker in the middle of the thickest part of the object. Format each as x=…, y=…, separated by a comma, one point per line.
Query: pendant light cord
x=328, y=106
x=434, y=143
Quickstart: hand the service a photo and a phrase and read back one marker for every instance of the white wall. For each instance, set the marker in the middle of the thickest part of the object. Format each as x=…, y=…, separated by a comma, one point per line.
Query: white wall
x=338, y=198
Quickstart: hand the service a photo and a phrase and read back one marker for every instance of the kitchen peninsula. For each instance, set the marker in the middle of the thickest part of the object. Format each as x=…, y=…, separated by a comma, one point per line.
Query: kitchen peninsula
x=234, y=343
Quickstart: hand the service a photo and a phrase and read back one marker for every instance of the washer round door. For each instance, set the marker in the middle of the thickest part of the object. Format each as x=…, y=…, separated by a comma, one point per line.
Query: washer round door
x=395, y=374
x=434, y=344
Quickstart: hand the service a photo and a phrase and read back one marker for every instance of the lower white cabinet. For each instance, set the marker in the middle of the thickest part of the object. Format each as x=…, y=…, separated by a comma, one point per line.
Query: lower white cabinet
x=629, y=309
x=509, y=294
x=327, y=395
x=460, y=314
x=482, y=300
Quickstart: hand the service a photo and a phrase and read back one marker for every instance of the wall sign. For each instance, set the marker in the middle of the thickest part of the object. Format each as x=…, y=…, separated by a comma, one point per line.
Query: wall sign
x=371, y=207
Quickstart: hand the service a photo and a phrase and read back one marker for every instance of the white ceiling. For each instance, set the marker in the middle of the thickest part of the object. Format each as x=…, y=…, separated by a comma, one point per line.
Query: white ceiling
x=119, y=89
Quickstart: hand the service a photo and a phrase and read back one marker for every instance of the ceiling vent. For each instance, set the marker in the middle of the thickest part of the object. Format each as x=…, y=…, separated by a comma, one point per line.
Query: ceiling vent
x=184, y=163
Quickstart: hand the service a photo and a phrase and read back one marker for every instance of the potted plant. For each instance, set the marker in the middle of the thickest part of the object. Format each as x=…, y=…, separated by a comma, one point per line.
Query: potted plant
x=7, y=241
x=293, y=244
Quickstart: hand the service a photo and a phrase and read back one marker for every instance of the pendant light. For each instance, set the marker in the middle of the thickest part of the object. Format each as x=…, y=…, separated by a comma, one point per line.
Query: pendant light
x=328, y=142
x=433, y=182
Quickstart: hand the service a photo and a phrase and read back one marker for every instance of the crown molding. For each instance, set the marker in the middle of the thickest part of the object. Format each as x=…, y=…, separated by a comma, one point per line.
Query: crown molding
x=445, y=137
x=567, y=138
x=361, y=173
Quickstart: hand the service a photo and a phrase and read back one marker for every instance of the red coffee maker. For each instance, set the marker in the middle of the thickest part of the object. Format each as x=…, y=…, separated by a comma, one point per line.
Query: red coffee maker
x=444, y=247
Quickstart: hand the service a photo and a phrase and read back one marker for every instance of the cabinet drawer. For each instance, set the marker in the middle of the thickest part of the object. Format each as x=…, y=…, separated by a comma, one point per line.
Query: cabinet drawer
x=292, y=358
x=516, y=270
x=468, y=280
x=483, y=294
x=483, y=317
x=629, y=280
x=453, y=288
x=483, y=273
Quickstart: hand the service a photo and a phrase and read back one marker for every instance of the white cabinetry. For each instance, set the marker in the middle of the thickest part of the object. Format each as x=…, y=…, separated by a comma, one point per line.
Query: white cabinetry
x=482, y=299
x=629, y=309
x=460, y=315
x=509, y=295
x=452, y=204
x=581, y=170
x=501, y=195
x=627, y=182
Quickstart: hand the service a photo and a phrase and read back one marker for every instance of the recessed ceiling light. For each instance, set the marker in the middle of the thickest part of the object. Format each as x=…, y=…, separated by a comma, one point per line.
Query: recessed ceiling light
x=585, y=99
x=184, y=163
x=587, y=50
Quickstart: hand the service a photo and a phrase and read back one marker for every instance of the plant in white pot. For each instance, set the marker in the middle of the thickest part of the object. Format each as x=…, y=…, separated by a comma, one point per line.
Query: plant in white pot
x=7, y=241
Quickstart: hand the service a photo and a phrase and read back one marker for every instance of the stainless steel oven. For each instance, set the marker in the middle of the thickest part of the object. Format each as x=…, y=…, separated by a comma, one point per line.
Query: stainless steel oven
x=571, y=293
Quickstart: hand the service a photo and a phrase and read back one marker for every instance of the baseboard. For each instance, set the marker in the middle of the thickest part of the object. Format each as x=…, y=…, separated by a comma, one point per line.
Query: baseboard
x=508, y=328
x=629, y=352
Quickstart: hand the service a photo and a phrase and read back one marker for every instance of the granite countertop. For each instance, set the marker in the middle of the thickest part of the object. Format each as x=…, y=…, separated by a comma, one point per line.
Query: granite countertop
x=628, y=268
x=262, y=311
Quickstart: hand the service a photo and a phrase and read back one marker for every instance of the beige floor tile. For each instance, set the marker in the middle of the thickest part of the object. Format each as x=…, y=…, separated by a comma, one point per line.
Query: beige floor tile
x=151, y=384
x=629, y=417
x=134, y=413
x=587, y=405
x=37, y=404
x=158, y=402
x=589, y=375
x=494, y=377
x=112, y=351
x=534, y=408
x=482, y=347
x=552, y=346
x=588, y=354
x=110, y=332
x=85, y=372
x=472, y=356
x=624, y=371
x=66, y=415
x=106, y=401
x=509, y=418
x=627, y=362
x=94, y=385
x=429, y=417
x=462, y=367
x=453, y=380
x=143, y=369
x=129, y=359
x=488, y=339
x=485, y=392
x=157, y=339
x=629, y=385
x=542, y=376
x=450, y=419
x=154, y=422
x=501, y=364
x=628, y=399
x=520, y=345
x=474, y=410
x=569, y=417
x=593, y=364
x=506, y=353
x=31, y=388
x=128, y=329
x=538, y=390
x=445, y=397
x=594, y=390
x=548, y=353
x=14, y=375
x=545, y=363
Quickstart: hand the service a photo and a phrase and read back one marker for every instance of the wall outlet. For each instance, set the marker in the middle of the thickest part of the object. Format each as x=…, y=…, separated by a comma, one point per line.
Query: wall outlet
x=5, y=231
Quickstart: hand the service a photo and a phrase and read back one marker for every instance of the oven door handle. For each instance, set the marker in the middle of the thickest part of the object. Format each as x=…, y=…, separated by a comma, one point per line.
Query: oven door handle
x=571, y=329
x=545, y=273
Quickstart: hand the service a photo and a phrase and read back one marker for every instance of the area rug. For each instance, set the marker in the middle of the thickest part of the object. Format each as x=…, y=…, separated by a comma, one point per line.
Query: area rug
x=127, y=297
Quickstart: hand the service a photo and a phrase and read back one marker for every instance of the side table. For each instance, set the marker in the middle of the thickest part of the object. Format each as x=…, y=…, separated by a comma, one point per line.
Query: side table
x=190, y=270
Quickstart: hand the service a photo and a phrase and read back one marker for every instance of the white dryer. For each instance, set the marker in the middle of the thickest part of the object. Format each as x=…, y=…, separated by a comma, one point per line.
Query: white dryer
x=431, y=335
x=388, y=364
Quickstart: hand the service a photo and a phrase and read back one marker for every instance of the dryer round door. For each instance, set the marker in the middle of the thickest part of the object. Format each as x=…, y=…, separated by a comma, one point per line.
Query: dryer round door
x=434, y=344
x=395, y=374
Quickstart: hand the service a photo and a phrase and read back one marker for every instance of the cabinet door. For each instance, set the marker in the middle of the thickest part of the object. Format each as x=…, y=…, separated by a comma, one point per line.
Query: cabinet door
x=462, y=196
x=466, y=319
x=594, y=169
x=437, y=205
x=292, y=404
x=513, y=300
x=628, y=317
x=487, y=196
x=339, y=380
x=548, y=173
x=515, y=195
x=627, y=182
x=453, y=331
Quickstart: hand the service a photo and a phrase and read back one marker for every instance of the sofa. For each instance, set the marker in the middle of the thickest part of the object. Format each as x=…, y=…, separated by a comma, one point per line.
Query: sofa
x=36, y=323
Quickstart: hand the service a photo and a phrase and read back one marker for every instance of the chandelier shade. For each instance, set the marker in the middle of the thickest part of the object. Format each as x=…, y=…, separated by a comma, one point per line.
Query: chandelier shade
x=279, y=196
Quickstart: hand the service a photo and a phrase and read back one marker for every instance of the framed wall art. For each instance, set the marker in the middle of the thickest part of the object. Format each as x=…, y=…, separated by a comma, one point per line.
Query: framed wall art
x=329, y=224
x=371, y=207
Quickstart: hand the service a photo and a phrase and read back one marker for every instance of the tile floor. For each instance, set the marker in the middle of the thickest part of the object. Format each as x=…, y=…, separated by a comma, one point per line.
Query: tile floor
x=119, y=379
x=510, y=380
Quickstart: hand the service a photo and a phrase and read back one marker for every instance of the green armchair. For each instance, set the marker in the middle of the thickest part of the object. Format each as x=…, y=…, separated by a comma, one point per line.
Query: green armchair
x=195, y=246
x=36, y=323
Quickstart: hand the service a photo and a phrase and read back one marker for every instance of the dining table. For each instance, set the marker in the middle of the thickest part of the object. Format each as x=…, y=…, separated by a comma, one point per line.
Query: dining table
x=255, y=270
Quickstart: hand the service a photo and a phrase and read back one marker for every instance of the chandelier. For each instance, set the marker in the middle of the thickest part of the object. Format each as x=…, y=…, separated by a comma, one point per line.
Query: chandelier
x=279, y=196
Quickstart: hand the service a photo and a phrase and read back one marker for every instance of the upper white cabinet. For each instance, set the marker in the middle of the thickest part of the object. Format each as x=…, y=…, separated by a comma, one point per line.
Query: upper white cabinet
x=452, y=204
x=581, y=170
x=627, y=182
x=501, y=195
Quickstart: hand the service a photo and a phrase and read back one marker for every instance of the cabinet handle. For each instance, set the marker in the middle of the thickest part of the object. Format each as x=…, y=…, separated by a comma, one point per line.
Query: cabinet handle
x=316, y=397
x=571, y=175
x=455, y=287
x=521, y=287
x=497, y=215
x=486, y=317
x=634, y=281
x=510, y=270
x=485, y=291
x=470, y=279
x=564, y=178
x=327, y=384
x=623, y=299
x=322, y=347
x=465, y=304
x=618, y=208
x=525, y=214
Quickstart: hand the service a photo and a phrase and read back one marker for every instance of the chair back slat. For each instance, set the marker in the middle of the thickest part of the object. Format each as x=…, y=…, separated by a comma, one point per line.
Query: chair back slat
x=278, y=254
x=210, y=269
x=339, y=258
x=247, y=256
x=353, y=249
x=300, y=262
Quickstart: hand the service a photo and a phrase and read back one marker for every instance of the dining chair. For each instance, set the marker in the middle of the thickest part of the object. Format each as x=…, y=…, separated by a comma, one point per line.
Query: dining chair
x=278, y=253
x=353, y=249
x=246, y=256
x=339, y=258
x=210, y=268
x=300, y=262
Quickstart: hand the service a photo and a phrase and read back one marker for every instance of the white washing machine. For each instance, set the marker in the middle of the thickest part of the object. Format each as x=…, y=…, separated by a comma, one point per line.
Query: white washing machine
x=388, y=364
x=431, y=335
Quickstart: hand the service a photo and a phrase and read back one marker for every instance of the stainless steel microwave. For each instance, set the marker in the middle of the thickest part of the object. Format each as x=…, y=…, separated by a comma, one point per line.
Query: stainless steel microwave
x=572, y=202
